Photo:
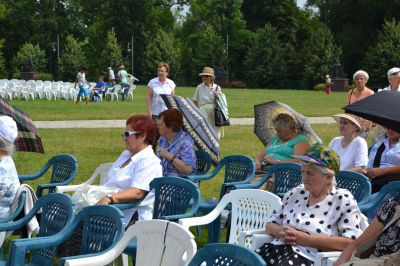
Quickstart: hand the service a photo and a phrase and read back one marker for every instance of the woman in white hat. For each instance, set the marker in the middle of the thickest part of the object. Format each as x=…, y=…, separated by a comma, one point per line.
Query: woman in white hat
x=9, y=182
x=351, y=148
x=205, y=94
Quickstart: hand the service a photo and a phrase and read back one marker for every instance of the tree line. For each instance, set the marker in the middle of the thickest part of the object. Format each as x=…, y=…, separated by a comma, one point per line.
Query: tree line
x=256, y=43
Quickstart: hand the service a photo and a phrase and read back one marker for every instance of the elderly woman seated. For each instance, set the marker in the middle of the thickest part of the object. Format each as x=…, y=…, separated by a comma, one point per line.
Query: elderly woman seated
x=175, y=147
x=9, y=181
x=135, y=168
x=384, y=161
x=286, y=143
x=380, y=240
x=314, y=216
x=351, y=148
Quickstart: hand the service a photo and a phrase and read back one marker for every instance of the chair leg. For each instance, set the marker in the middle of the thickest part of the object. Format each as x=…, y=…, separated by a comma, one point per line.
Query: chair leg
x=122, y=260
x=214, y=229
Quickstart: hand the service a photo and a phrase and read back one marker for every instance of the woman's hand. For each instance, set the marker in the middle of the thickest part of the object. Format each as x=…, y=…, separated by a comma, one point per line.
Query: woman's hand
x=292, y=236
x=104, y=201
x=270, y=160
x=374, y=172
x=165, y=154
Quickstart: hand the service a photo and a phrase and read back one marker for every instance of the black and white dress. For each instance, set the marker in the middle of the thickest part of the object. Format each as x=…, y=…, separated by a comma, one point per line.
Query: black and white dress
x=389, y=241
x=336, y=215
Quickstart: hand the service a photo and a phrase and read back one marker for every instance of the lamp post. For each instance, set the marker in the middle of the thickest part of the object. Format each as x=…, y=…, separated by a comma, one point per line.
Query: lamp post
x=130, y=50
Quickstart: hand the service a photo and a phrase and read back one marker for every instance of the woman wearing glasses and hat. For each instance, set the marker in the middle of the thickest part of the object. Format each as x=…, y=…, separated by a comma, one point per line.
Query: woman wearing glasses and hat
x=314, y=215
x=205, y=94
x=351, y=148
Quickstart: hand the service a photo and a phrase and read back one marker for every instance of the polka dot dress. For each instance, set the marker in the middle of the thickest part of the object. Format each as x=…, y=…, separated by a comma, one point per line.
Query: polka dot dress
x=336, y=215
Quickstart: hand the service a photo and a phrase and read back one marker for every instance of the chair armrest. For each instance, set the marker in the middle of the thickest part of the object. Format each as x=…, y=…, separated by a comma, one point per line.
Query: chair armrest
x=202, y=220
x=196, y=178
x=19, y=247
x=41, y=187
x=68, y=188
x=245, y=235
x=103, y=258
x=30, y=176
x=93, y=258
x=322, y=257
x=129, y=205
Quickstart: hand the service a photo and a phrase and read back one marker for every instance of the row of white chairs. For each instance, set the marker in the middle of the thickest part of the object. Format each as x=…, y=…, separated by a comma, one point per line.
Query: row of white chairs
x=33, y=89
x=51, y=90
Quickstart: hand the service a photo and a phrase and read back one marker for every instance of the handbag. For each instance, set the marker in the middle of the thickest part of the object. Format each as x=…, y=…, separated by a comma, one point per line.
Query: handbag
x=219, y=117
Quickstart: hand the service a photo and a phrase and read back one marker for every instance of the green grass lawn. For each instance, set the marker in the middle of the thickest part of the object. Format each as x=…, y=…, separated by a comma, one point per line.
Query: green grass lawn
x=240, y=102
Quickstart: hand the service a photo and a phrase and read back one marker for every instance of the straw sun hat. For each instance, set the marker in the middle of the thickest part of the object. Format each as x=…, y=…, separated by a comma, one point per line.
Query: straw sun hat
x=207, y=71
x=355, y=120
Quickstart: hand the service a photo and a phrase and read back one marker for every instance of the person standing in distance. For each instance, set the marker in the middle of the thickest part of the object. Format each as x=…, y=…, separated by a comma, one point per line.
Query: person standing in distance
x=157, y=86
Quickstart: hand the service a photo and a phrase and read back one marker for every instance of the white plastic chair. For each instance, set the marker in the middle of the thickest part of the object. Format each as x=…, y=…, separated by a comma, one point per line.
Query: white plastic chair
x=39, y=89
x=250, y=210
x=47, y=90
x=113, y=92
x=100, y=171
x=160, y=242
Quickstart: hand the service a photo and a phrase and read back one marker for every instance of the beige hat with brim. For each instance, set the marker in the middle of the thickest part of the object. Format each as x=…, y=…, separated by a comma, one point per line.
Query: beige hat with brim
x=207, y=71
x=349, y=117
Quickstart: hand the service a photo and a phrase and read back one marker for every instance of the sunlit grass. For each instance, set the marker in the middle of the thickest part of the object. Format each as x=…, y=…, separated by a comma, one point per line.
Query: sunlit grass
x=240, y=101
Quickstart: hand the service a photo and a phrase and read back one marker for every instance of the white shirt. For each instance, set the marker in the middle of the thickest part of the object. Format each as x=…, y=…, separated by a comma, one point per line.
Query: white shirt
x=390, y=156
x=388, y=89
x=355, y=154
x=336, y=215
x=205, y=95
x=141, y=170
x=111, y=75
x=157, y=103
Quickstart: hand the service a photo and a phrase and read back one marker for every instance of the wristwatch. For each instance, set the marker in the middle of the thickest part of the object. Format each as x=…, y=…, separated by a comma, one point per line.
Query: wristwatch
x=109, y=195
x=278, y=161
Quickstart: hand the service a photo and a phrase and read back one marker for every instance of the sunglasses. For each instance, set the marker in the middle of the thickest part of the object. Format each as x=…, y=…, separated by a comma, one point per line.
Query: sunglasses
x=127, y=134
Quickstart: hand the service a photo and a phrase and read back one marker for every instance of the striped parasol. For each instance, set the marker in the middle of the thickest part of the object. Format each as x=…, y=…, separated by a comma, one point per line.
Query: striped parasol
x=28, y=138
x=264, y=113
x=196, y=125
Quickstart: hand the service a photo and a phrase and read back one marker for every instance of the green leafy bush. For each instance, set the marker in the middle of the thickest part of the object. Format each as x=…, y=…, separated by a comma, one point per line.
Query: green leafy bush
x=319, y=87
x=30, y=58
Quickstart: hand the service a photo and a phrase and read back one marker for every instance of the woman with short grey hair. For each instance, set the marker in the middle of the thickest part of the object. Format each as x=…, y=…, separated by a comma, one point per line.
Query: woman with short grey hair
x=360, y=78
x=9, y=181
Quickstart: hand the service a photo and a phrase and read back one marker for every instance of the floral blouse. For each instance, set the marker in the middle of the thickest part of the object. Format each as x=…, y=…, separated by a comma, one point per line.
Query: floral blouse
x=182, y=148
x=389, y=241
x=9, y=184
x=336, y=215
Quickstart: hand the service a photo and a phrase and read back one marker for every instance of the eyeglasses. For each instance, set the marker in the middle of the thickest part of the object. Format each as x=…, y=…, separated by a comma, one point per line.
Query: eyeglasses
x=127, y=134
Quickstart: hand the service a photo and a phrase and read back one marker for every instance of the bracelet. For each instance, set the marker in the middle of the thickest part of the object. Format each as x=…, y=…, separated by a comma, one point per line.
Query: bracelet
x=173, y=158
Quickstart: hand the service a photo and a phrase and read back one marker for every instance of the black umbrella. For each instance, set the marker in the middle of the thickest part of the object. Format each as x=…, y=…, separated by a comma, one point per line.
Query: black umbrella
x=381, y=108
x=196, y=125
x=28, y=138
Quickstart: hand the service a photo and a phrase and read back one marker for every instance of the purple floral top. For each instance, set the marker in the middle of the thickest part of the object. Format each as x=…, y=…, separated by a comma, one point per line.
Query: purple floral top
x=183, y=148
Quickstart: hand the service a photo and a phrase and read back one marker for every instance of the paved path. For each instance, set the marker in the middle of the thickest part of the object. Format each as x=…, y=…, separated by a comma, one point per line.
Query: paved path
x=121, y=123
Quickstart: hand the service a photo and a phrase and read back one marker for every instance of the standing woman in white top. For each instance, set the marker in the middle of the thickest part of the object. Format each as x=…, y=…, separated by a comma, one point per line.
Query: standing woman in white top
x=205, y=94
x=351, y=148
x=157, y=86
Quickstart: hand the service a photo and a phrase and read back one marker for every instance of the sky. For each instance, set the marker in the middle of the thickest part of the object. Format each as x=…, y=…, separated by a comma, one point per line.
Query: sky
x=300, y=3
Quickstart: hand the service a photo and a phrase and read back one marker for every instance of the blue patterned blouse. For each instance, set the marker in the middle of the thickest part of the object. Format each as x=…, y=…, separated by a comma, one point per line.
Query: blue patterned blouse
x=183, y=148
